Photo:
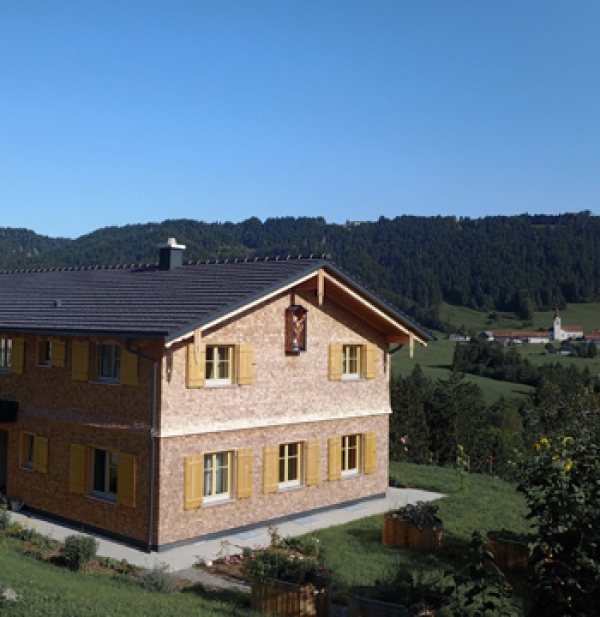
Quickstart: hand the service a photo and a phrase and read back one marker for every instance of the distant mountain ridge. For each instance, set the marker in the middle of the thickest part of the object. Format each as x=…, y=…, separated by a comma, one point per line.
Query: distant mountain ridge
x=518, y=263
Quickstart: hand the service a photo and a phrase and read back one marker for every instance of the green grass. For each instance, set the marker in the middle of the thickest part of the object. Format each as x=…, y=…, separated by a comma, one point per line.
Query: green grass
x=48, y=590
x=355, y=553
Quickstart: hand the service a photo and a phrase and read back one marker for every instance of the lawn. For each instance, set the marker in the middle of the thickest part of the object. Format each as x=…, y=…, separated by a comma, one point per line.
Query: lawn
x=355, y=553
x=48, y=590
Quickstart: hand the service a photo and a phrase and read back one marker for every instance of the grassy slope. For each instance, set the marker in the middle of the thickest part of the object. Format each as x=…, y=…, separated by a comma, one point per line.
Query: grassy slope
x=436, y=358
x=355, y=551
x=49, y=590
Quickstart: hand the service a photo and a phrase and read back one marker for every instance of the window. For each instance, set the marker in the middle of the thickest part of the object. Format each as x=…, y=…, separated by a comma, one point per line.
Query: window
x=217, y=475
x=350, y=454
x=105, y=473
x=351, y=362
x=27, y=450
x=5, y=353
x=219, y=365
x=290, y=464
x=109, y=362
x=33, y=452
x=44, y=353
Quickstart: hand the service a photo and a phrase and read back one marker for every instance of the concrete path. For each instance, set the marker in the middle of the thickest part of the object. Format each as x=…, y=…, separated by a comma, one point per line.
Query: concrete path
x=180, y=560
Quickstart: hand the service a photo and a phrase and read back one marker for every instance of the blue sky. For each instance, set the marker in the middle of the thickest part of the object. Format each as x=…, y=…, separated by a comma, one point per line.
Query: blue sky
x=115, y=112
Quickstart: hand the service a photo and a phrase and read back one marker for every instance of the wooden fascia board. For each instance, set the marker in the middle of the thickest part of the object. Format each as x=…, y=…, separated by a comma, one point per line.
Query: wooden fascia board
x=241, y=309
x=393, y=322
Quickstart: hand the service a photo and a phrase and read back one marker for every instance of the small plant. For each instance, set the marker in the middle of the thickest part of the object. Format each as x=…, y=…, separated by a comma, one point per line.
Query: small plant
x=158, y=579
x=463, y=465
x=422, y=514
x=80, y=550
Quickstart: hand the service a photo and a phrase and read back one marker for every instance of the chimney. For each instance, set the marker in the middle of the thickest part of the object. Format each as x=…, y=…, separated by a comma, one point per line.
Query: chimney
x=170, y=255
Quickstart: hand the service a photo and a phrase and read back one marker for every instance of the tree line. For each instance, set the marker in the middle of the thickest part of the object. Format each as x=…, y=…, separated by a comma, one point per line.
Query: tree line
x=517, y=263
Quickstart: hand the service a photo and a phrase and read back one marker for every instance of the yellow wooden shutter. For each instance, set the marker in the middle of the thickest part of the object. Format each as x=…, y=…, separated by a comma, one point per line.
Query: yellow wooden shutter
x=335, y=361
x=77, y=469
x=17, y=360
x=129, y=374
x=245, y=362
x=80, y=361
x=196, y=366
x=335, y=458
x=194, y=481
x=313, y=463
x=244, y=474
x=270, y=469
x=126, y=480
x=370, y=452
x=40, y=454
x=370, y=370
x=57, y=357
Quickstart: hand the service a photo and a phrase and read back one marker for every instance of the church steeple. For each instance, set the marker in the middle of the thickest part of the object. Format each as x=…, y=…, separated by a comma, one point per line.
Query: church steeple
x=557, y=329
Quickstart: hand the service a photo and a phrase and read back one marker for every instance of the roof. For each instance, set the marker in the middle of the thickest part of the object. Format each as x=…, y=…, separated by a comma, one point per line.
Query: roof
x=144, y=301
x=518, y=334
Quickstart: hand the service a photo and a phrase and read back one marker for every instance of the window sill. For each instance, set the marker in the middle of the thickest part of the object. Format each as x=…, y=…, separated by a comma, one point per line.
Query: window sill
x=352, y=378
x=290, y=487
x=349, y=475
x=104, y=499
x=5, y=371
x=215, y=385
x=104, y=382
x=217, y=502
x=24, y=468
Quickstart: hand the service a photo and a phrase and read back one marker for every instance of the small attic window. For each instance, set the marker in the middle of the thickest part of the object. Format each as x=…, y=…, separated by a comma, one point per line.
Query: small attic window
x=295, y=329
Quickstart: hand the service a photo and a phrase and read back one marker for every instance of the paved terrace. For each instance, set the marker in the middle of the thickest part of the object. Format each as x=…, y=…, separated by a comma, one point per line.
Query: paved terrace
x=182, y=558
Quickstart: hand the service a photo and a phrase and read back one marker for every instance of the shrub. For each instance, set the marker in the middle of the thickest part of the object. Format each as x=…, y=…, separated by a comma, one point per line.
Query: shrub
x=5, y=519
x=80, y=550
x=158, y=579
x=422, y=514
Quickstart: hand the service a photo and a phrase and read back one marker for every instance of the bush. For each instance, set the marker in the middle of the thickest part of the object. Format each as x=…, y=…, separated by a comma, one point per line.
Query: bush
x=80, y=550
x=5, y=519
x=158, y=579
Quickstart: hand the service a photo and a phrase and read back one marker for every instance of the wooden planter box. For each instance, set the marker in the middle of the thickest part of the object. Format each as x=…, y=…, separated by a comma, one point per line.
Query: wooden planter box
x=509, y=554
x=397, y=532
x=289, y=600
x=360, y=605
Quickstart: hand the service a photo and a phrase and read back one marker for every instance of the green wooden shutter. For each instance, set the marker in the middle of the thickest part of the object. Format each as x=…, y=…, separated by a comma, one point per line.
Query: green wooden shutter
x=40, y=454
x=270, y=469
x=196, y=366
x=126, y=480
x=370, y=452
x=80, y=361
x=244, y=474
x=77, y=469
x=194, y=482
x=313, y=463
x=335, y=361
x=129, y=373
x=335, y=458
x=245, y=364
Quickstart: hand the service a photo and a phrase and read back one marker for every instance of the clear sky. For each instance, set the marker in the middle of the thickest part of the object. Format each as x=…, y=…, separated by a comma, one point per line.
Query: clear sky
x=131, y=111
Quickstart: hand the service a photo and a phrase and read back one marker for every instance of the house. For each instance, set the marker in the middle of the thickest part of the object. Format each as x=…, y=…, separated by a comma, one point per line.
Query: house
x=158, y=404
x=520, y=337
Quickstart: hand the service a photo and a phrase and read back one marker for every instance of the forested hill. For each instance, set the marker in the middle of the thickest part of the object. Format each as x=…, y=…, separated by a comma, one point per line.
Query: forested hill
x=517, y=263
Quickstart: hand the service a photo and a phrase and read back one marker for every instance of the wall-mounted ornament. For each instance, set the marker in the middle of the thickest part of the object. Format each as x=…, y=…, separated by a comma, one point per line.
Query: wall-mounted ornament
x=295, y=329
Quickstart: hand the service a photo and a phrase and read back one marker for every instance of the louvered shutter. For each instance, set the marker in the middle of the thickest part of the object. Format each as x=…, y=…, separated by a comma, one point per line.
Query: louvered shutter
x=80, y=361
x=270, y=469
x=313, y=463
x=335, y=361
x=77, y=469
x=129, y=373
x=245, y=362
x=335, y=458
x=370, y=452
x=244, y=474
x=126, y=480
x=370, y=371
x=17, y=361
x=196, y=366
x=194, y=481
x=40, y=454
x=57, y=357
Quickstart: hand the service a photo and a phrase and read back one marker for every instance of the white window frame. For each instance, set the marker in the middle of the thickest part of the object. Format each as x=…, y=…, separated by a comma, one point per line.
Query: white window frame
x=346, y=449
x=111, y=463
x=5, y=354
x=222, y=357
x=113, y=351
x=209, y=489
x=351, y=359
x=284, y=464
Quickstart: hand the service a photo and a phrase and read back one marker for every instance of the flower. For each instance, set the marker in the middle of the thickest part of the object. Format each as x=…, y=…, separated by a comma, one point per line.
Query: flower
x=544, y=442
x=536, y=447
x=568, y=465
x=566, y=440
x=555, y=457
